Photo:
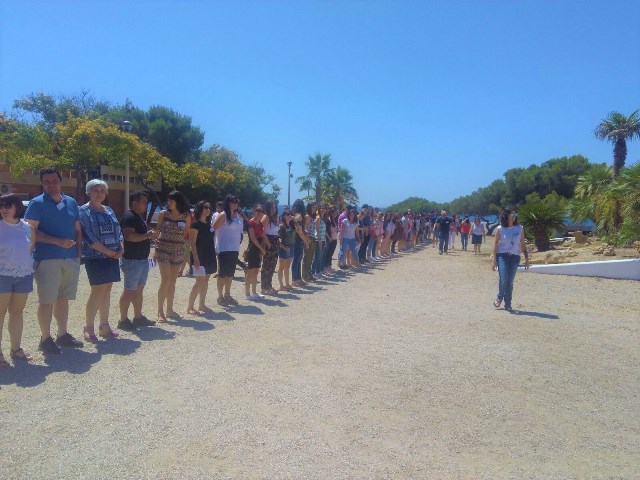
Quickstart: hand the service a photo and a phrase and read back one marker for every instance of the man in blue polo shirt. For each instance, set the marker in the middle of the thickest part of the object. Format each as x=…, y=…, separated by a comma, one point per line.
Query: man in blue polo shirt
x=55, y=218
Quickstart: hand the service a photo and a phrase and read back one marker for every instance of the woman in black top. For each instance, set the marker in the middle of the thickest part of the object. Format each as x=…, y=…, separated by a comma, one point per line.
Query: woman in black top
x=204, y=256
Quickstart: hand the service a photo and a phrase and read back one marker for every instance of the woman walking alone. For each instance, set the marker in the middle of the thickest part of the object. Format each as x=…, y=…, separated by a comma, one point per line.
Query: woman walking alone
x=507, y=248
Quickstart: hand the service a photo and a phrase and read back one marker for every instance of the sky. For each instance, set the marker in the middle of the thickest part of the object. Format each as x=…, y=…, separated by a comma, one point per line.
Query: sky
x=432, y=99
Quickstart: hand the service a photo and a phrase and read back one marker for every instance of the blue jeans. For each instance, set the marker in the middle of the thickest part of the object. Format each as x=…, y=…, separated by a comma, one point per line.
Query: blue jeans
x=371, y=247
x=318, y=258
x=296, y=265
x=347, y=243
x=464, y=238
x=443, y=245
x=507, y=268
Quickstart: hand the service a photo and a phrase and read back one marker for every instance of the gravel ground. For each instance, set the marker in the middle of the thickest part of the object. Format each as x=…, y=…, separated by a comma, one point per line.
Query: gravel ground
x=402, y=371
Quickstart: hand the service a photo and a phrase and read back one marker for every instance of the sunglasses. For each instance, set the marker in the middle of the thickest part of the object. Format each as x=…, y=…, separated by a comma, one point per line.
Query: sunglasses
x=5, y=205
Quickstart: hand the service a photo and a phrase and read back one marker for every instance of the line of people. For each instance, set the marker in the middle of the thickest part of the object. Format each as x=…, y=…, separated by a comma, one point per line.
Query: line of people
x=298, y=246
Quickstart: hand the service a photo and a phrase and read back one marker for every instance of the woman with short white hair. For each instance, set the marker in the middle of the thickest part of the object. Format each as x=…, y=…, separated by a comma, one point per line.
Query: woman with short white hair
x=102, y=247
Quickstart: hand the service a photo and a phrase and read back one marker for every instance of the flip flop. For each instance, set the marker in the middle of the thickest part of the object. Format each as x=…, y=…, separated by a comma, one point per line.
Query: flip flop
x=497, y=303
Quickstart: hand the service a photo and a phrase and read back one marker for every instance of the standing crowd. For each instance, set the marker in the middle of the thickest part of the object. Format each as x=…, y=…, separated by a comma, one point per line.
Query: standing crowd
x=56, y=235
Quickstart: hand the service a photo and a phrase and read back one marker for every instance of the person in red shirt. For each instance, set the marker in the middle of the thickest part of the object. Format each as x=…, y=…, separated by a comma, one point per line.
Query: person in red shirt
x=465, y=228
x=258, y=245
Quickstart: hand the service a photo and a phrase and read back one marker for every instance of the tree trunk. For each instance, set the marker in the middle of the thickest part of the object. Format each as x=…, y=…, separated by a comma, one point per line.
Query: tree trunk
x=541, y=238
x=619, y=158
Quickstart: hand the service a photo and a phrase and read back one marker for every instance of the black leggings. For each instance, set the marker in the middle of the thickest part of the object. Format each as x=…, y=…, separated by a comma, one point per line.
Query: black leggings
x=328, y=256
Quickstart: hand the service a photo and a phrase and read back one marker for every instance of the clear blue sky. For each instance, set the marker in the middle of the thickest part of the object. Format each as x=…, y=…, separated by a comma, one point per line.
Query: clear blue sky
x=430, y=99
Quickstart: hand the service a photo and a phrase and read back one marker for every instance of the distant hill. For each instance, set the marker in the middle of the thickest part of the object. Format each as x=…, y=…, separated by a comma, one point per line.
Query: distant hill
x=416, y=204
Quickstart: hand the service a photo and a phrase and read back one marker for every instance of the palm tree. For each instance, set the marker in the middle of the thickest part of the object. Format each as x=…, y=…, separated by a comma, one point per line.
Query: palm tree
x=588, y=191
x=629, y=192
x=319, y=170
x=339, y=186
x=542, y=219
x=617, y=129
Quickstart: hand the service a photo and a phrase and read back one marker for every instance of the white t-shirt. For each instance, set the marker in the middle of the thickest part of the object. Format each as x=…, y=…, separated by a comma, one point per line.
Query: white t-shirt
x=228, y=235
x=15, y=249
x=509, y=239
x=349, y=229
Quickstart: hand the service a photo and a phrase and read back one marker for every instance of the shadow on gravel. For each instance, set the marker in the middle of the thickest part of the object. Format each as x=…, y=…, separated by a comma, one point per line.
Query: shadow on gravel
x=120, y=346
x=153, y=333
x=218, y=316
x=246, y=310
x=288, y=296
x=525, y=313
x=273, y=303
x=198, y=325
x=74, y=361
x=307, y=290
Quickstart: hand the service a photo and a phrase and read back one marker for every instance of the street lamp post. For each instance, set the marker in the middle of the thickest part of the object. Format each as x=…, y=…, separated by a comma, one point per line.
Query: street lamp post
x=289, y=185
x=126, y=127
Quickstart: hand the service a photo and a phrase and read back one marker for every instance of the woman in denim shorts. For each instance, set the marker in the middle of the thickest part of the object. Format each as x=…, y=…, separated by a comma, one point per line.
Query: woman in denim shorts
x=287, y=233
x=16, y=272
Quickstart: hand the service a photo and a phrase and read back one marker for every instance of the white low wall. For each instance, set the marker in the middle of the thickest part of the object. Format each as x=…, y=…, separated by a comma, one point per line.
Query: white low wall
x=619, y=269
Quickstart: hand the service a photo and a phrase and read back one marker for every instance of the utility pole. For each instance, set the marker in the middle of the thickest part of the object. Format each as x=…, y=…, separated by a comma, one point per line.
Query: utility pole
x=289, y=185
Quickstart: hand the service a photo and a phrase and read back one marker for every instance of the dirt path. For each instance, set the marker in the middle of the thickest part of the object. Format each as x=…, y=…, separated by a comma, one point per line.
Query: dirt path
x=403, y=371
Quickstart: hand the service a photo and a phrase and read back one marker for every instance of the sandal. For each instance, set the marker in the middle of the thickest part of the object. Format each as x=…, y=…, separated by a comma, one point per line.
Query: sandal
x=3, y=362
x=162, y=318
x=104, y=330
x=497, y=303
x=192, y=311
x=20, y=354
x=174, y=316
x=89, y=336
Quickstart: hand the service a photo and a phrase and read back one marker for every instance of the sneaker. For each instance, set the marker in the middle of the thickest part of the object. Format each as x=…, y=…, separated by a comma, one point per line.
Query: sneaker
x=49, y=347
x=67, y=340
x=127, y=325
x=142, y=322
x=231, y=301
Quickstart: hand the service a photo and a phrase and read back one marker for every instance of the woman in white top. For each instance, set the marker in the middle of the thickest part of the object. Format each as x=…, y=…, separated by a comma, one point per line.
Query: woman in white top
x=508, y=246
x=16, y=272
x=478, y=234
x=348, y=240
x=228, y=227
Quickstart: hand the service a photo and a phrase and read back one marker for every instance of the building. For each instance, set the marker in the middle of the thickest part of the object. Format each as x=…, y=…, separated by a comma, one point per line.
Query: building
x=29, y=186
